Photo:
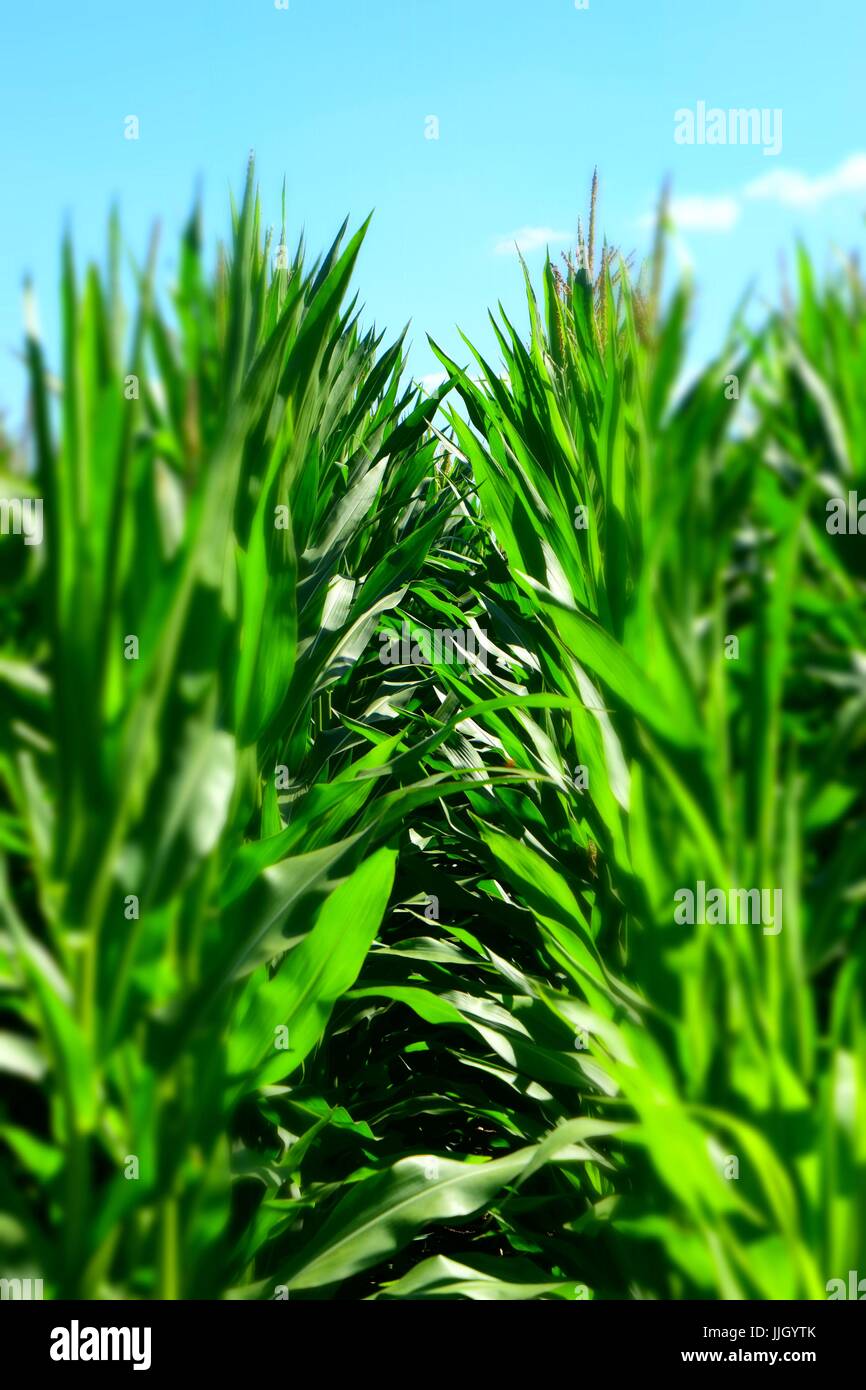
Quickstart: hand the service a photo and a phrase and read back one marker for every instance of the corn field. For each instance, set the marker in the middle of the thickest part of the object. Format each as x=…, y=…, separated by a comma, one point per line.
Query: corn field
x=432, y=824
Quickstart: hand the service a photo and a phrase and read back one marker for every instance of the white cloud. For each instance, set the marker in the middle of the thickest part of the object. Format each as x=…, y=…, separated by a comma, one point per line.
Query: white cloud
x=432, y=380
x=796, y=190
x=700, y=214
x=530, y=239
x=788, y=187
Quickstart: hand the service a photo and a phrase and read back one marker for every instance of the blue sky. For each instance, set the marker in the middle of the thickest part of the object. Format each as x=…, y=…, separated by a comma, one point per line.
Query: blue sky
x=336, y=95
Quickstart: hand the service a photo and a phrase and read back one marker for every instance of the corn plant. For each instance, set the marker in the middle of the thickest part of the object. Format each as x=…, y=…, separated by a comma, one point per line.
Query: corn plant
x=232, y=495
x=641, y=537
